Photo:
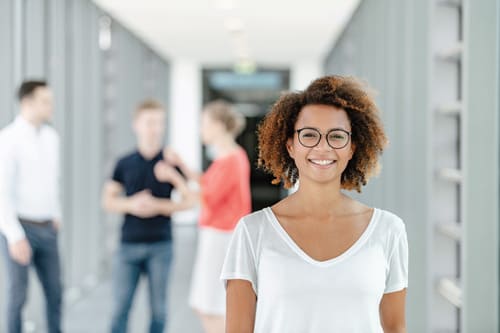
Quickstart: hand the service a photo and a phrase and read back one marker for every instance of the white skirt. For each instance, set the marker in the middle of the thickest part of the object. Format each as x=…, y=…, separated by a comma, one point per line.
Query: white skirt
x=208, y=294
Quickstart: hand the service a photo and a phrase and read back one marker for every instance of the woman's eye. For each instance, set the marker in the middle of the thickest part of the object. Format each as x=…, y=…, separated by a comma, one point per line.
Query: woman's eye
x=337, y=136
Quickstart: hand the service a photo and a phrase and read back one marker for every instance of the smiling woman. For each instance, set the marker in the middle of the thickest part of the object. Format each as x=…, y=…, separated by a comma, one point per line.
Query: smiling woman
x=327, y=158
x=347, y=94
x=319, y=261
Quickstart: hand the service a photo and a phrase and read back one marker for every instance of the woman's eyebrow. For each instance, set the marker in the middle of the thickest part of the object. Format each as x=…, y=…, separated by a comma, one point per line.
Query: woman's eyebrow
x=328, y=130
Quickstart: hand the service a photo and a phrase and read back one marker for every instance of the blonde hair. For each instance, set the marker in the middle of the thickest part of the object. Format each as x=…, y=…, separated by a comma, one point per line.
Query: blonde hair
x=224, y=112
x=148, y=105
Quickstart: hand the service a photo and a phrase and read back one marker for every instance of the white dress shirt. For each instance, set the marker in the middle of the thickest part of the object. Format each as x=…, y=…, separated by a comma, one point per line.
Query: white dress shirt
x=29, y=176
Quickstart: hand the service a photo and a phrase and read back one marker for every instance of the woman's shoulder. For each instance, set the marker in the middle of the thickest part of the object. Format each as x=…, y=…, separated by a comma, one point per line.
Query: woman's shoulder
x=231, y=158
x=384, y=221
x=258, y=217
x=389, y=221
x=256, y=222
x=238, y=156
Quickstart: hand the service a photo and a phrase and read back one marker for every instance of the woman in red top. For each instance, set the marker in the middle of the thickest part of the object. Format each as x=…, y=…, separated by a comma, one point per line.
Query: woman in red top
x=225, y=198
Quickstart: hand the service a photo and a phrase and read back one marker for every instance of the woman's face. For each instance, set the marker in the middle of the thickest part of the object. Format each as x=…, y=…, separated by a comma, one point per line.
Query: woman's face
x=321, y=163
x=210, y=128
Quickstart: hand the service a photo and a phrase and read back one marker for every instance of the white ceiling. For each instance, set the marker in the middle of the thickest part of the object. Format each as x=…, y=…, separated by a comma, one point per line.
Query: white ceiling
x=267, y=32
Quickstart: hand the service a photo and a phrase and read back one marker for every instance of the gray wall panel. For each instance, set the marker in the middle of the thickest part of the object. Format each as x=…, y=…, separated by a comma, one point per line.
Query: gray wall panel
x=6, y=86
x=482, y=166
x=35, y=38
x=84, y=83
x=6, y=62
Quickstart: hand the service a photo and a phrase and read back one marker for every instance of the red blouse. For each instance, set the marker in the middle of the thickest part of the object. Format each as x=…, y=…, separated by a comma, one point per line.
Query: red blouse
x=225, y=191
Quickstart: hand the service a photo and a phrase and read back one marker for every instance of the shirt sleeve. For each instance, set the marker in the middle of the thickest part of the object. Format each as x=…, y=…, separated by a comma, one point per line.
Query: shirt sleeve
x=222, y=180
x=397, y=277
x=117, y=173
x=239, y=263
x=57, y=203
x=9, y=223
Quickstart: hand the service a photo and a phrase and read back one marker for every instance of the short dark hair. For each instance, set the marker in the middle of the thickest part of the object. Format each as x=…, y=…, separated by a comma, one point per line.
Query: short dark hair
x=27, y=88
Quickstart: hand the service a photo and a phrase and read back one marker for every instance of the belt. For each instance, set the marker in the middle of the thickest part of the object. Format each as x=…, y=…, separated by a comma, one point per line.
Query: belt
x=45, y=223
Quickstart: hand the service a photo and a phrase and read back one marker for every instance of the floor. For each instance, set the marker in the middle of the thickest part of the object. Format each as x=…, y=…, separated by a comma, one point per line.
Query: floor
x=92, y=313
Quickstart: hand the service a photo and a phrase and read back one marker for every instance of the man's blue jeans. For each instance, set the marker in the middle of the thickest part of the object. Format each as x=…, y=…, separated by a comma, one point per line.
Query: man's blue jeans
x=45, y=260
x=132, y=259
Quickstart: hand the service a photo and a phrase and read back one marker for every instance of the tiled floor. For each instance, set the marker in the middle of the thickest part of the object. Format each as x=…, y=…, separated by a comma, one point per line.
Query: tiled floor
x=92, y=313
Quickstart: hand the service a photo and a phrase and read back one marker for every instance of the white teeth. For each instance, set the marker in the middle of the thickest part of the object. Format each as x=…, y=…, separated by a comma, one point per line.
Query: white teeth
x=322, y=162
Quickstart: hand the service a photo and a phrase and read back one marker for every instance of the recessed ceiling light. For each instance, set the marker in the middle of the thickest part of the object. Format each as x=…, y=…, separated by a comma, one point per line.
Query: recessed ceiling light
x=224, y=4
x=234, y=24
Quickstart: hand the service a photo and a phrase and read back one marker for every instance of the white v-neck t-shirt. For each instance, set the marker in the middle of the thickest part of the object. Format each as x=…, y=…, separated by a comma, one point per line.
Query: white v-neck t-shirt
x=298, y=294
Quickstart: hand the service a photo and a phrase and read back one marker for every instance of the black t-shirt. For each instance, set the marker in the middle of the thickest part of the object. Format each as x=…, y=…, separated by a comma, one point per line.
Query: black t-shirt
x=136, y=174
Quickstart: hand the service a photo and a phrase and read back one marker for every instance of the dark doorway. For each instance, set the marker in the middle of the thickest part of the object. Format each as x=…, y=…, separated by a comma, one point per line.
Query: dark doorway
x=252, y=95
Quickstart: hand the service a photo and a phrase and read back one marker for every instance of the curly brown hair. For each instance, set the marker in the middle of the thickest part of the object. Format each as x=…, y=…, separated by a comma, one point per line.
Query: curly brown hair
x=347, y=93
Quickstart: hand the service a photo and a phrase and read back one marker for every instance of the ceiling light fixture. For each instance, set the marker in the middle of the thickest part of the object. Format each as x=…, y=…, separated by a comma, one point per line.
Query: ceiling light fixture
x=224, y=4
x=234, y=24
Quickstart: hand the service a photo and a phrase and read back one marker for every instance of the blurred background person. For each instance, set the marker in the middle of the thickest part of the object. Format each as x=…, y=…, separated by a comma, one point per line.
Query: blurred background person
x=31, y=215
x=225, y=198
x=146, y=234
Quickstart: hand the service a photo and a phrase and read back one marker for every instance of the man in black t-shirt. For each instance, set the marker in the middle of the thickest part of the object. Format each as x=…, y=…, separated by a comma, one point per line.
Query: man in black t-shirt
x=146, y=234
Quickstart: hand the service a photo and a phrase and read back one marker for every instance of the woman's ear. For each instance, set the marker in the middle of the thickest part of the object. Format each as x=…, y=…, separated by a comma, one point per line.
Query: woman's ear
x=353, y=150
x=289, y=148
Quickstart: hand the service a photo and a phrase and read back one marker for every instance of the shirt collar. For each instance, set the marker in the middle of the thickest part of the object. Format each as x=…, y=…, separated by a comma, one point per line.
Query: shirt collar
x=154, y=159
x=25, y=125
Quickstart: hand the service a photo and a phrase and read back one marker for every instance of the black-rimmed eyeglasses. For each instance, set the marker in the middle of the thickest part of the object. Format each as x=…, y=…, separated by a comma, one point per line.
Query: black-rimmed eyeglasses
x=336, y=138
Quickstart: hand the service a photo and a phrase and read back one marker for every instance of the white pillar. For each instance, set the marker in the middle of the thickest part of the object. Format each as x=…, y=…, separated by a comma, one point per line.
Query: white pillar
x=184, y=111
x=183, y=130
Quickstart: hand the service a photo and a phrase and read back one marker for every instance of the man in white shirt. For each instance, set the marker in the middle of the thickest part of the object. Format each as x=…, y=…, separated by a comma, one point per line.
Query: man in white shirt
x=30, y=212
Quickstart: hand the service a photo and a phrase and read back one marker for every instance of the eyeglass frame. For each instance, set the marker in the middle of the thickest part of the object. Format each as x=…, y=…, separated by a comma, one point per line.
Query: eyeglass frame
x=349, y=134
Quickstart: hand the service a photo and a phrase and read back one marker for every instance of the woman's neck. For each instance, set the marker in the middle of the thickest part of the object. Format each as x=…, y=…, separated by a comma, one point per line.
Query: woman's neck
x=225, y=146
x=314, y=199
x=148, y=151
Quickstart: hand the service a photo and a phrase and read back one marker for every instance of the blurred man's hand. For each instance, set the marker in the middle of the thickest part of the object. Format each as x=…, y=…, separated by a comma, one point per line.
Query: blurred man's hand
x=171, y=156
x=143, y=204
x=20, y=252
x=164, y=172
x=57, y=225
